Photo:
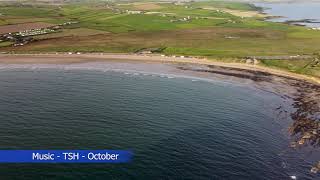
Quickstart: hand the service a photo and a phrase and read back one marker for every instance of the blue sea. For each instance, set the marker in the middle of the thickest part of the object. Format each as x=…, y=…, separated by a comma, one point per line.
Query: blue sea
x=178, y=127
x=293, y=12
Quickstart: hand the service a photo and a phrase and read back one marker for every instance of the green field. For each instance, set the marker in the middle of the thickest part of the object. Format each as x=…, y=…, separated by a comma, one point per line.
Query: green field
x=296, y=66
x=5, y=44
x=214, y=29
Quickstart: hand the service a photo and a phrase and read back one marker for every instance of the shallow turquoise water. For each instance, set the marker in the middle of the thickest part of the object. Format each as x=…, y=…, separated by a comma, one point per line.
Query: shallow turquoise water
x=178, y=128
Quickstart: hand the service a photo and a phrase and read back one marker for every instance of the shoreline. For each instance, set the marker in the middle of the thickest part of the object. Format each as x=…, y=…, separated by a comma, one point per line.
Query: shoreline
x=301, y=91
x=101, y=57
x=269, y=16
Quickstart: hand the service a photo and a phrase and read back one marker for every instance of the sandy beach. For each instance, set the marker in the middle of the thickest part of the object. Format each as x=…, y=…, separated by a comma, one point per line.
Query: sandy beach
x=100, y=57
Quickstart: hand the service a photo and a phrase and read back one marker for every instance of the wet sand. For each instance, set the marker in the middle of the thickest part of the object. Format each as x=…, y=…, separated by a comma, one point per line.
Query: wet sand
x=96, y=57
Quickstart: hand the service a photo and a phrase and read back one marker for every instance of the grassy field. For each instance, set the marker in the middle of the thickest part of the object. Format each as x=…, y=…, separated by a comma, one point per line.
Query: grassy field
x=214, y=29
x=296, y=66
x=77, y=32
x=4, y=44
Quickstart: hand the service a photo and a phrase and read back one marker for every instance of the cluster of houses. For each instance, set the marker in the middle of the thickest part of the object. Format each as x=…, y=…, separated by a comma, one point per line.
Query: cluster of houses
x=231, y=21
x=23, y=37
x=18, y=40
x=185, y=19
x=34, y=32
x=157, y=51
x=134, y=12
x=68, y=23
x=182, y=2
x=178, y=3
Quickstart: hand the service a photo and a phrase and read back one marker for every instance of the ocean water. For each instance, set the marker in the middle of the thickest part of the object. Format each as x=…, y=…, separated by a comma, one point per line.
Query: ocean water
x=293, y=11
x=177, y=127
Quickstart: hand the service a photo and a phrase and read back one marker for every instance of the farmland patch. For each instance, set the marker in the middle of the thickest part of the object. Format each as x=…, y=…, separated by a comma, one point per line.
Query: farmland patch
x=23, y=27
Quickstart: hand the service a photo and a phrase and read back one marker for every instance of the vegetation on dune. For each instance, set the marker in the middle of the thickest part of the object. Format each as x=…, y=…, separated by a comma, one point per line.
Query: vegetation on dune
x=296, y=66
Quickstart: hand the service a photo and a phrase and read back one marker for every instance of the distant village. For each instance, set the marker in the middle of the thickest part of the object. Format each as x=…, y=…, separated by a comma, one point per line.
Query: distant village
x=23, y=37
